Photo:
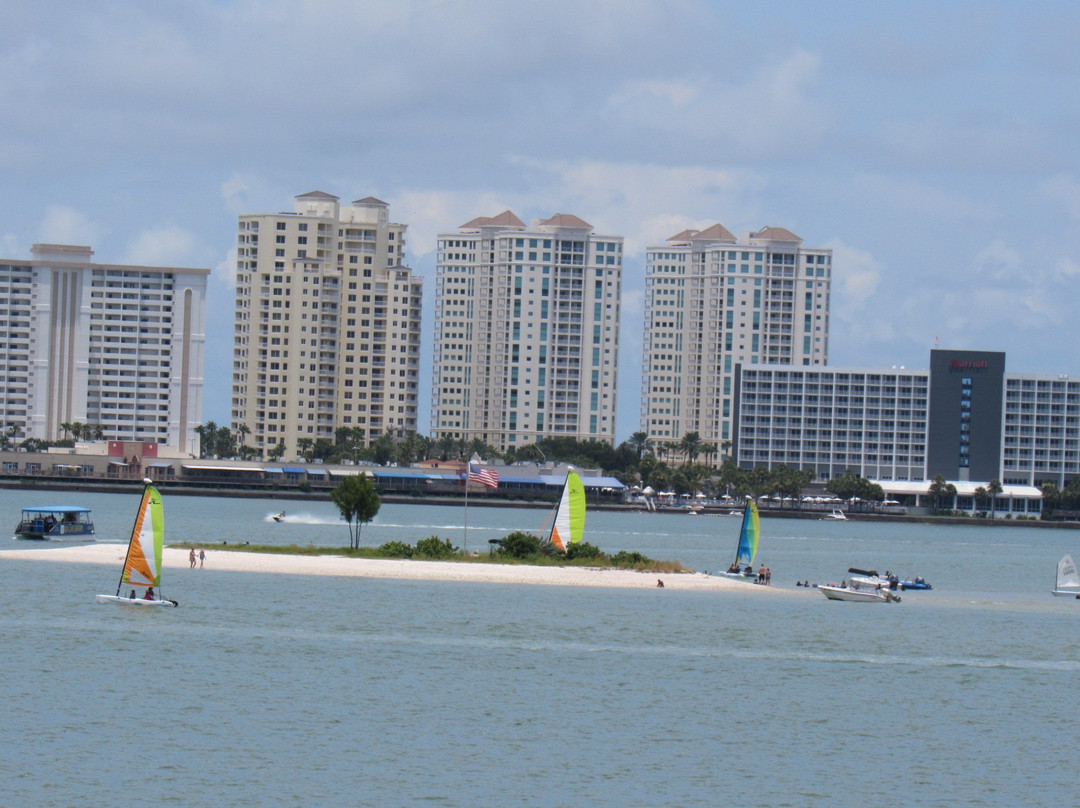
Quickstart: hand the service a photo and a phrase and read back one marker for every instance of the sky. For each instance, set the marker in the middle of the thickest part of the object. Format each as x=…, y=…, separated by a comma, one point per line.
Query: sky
x=932, y=146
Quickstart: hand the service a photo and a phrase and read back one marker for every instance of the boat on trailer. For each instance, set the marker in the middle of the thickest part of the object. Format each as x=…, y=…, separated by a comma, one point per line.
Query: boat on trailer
x=55, y=522
x=142, y=564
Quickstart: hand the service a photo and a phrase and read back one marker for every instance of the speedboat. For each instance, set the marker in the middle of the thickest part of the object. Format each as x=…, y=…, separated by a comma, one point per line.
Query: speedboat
x=55, y=522
x=858, y=594
x=870, y=578
x=837, y=515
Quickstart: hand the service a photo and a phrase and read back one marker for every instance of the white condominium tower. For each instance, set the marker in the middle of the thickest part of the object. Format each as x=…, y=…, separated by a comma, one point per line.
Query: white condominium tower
x=712, y=302
x=116, y=348
x=526, y=331
x=327, y=325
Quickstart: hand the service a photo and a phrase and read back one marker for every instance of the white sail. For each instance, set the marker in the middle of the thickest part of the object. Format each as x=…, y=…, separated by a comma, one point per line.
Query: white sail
x=1068, y=581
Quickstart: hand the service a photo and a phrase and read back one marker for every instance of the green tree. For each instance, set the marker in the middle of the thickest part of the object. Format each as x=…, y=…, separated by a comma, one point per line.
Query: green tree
x=639, y=442
x=941, y=492
x=980, y=496
x=993, y=488
x=358, y=502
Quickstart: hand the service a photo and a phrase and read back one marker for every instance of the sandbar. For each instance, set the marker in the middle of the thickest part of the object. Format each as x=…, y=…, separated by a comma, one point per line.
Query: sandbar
x=477, y=571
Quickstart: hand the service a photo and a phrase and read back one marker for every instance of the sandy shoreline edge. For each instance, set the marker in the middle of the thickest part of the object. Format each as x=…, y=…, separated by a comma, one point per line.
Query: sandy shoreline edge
x=175, y=558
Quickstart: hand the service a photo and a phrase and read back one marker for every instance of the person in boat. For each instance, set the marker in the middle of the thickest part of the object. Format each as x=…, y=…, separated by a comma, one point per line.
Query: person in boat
x=132, y=595
x=149, y=593
x=734, y=568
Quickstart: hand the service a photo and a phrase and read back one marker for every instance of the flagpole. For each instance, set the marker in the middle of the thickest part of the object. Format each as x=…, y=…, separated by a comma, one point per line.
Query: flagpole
x=465, y=541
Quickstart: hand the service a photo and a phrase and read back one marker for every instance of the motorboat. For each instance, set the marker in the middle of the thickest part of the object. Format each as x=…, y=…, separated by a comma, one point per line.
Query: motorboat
x=870, y=578
x=836, y=515
x=859, y=594
x=55, y=522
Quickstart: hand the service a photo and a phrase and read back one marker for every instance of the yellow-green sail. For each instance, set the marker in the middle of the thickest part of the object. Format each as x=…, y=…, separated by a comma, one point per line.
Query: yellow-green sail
x=569, y=524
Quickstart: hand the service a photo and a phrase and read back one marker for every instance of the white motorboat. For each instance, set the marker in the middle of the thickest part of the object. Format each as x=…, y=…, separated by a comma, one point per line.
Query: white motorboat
x=837, y=515
x=858, y=594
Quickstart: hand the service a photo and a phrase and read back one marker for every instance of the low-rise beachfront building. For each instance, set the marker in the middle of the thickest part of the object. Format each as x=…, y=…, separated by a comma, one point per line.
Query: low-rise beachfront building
x=965, y=419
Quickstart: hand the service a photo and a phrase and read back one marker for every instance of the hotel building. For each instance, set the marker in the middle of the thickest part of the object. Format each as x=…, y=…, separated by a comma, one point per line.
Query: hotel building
x=965, y=418
x=119, y=348
x=327, y=331
x=526, y=331
x=712, y=302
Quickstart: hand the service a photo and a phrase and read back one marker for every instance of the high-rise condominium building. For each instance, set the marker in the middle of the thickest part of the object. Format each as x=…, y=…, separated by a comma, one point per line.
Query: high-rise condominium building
x=327, y=325
x=118, y=349
x=713, y=301
x=526, y=331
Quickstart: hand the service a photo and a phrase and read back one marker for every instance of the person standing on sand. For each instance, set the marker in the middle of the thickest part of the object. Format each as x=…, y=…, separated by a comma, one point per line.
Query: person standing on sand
x=202, y=558
x=191, y=558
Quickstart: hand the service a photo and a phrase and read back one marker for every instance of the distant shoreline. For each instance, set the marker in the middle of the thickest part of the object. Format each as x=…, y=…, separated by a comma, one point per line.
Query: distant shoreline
x=173, y=488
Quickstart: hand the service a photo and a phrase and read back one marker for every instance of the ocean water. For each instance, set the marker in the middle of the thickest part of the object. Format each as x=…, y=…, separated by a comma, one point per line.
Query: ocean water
x=295, y=690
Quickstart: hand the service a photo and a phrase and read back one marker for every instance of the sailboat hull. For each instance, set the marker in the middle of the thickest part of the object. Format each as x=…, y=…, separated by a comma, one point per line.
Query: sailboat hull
x=133, y=601
x=1066, y=593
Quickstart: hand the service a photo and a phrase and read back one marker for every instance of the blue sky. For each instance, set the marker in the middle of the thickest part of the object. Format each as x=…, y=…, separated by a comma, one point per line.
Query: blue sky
x=933, y=146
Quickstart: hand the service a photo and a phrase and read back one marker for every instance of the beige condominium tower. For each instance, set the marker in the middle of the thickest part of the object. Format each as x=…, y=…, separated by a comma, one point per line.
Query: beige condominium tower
x=327, y=329
x=115, y=348
x=714, y=301
x=526, y=331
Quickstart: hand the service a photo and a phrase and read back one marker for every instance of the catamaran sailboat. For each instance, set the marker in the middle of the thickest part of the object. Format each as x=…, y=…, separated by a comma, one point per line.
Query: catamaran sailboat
x=743, y=565
x=142, y=565
x=568, y=522
x=1067, y=583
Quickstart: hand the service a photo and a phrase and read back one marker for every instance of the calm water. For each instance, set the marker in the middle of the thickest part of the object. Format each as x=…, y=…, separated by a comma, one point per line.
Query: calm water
x=293, y=690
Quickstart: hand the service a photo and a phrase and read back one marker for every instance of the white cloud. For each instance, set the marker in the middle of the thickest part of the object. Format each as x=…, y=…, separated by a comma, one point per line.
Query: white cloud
x=908, y=198
x=224, y=272
x=773, y=112
x=1065, y=190
x=64, y=225
x=857, y=274
x=998, y=261
x=164, y=246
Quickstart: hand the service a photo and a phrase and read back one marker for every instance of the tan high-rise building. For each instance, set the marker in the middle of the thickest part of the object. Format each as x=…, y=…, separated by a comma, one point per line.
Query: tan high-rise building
x=526, y=331
x=116, y=348
x=327, y=325
x=713, y=301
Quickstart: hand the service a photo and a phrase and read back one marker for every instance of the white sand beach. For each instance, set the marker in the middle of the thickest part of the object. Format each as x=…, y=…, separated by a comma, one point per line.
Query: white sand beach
x=176, y=558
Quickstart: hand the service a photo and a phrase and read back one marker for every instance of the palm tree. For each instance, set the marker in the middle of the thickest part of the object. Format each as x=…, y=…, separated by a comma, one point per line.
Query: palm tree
x=993, y=488
x=639, y=441
x=691, y=446
x=980, y=495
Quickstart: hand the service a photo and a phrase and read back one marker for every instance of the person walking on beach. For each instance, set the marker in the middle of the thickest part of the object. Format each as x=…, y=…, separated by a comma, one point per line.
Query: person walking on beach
x=191, y=558
x=202, y=558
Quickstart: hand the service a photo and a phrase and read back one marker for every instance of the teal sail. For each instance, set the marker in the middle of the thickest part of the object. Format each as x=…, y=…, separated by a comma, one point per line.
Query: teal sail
x=748, y=536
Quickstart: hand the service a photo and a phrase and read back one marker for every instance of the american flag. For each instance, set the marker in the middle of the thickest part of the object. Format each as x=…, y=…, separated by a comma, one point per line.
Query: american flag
x=479, y=474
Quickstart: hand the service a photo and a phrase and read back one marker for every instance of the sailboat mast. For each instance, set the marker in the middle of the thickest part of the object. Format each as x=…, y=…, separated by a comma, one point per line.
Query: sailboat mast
x=147, y=482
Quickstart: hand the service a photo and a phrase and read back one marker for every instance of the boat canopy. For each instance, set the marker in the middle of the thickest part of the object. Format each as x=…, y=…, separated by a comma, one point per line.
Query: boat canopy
x=56, y=509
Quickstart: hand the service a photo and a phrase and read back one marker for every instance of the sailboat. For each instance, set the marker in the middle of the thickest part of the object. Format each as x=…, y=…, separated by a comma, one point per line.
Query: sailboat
x=1067, y=583
x=743, y=565
x=568, y=524
x=142, y=564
